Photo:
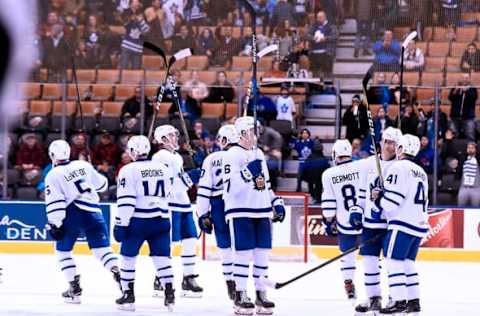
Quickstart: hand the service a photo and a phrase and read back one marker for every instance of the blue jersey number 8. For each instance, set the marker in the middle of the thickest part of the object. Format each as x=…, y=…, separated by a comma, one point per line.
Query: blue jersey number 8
x=349, y=199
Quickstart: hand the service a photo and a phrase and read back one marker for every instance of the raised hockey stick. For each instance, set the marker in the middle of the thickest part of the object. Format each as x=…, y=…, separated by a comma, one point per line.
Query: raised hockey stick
x=279, y=285
x=407, y=41
x=161, y=90
x=267, y=50
x=365, y=81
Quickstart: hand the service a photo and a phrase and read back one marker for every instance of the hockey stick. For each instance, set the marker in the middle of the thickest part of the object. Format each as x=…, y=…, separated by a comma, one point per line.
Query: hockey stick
x=365, y=81
x=279, y=285
x=267, y=50
x=161, y=90
x=407, y=41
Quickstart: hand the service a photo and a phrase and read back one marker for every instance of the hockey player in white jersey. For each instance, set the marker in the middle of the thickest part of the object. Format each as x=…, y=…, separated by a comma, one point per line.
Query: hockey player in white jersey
x=210, y=204
x=71, y=202
x=404, y=202
x=183, y=224
x=373, y=225
x=340, y=194
x=250, y=208
x=143, y=192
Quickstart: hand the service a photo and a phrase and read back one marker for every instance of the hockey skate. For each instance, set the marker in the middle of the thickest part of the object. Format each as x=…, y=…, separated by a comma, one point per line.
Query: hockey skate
x=370, y=307
x=116, y=276
x=127, y=301
x=264, y=306
x=242, y=304
x=231, y=289
x=395, y=308
x=169, y=297
x=190, y=288
x=413, y=307
x=350, y=289
x=158, y=288
x=72, y=295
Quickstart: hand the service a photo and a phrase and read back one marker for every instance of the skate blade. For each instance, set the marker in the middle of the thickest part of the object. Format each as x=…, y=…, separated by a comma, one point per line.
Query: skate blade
x=159, y=294
x=243, y=311
x=263, y=311
x=369, y=313
x=126, y=307
x=72, y=300
x=414, y=314
x=190, y=294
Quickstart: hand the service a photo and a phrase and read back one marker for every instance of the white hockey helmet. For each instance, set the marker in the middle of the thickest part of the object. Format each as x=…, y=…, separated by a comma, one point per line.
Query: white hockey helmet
x=244, y=126
x=341, y=148
x=229, y=133
x=163, y=135
x=408, y=144
x=391, y=133
x=138, y=146
x=59, y=150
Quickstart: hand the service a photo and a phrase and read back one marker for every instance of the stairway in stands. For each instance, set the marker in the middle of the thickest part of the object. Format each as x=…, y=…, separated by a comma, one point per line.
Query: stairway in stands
x=320, y=117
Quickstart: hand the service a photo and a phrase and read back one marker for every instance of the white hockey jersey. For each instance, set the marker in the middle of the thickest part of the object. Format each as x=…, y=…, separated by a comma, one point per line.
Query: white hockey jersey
x=369, y=180
x=143, y=191
x=211, y=182
x=341, y=185
x=405, y=199
x=244, y=195
x=179, y=200
x=72, y=182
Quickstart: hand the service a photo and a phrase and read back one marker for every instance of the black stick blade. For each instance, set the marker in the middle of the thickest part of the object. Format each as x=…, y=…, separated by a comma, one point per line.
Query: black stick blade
x=156, y=49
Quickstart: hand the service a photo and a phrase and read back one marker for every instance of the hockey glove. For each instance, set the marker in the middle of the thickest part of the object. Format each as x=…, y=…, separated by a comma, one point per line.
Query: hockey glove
x=278, y=213
x=376, y=214
x=120, y=233
x=195, y=175
x=57, y=232
x=255, y=167
x=205, y=223
x=355, y=218
x=331, y=227
x=376, y=194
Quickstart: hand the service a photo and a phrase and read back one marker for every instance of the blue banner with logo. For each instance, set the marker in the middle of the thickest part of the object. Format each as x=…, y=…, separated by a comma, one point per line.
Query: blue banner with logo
x=25, y=221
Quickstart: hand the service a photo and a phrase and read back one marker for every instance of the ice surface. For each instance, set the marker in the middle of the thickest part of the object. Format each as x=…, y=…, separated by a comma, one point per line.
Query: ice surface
x=32, y=285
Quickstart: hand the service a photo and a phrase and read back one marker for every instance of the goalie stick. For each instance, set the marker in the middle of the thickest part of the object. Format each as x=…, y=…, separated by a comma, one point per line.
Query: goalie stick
x=279, y=285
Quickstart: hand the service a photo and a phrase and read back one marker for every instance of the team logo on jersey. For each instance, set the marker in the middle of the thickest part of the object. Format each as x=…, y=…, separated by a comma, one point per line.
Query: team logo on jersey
x=259, y=182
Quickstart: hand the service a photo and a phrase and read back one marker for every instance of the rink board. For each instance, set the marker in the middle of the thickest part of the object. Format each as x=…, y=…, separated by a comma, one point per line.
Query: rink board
x=454, y=235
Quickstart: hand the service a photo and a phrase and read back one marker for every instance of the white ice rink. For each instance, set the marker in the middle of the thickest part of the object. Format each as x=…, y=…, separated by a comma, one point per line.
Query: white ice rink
x=32, y=285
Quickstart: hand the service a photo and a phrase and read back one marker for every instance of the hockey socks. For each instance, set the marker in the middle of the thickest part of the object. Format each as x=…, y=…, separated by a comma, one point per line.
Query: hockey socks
x=241, y=268
x=260, y=267
x=227, y=263
x=371, y=265
x=106, y=256
x=413, y=289
x=127, y=272
x=189, y=256
x=67, y=264
x=164, y=269
x=397, y=279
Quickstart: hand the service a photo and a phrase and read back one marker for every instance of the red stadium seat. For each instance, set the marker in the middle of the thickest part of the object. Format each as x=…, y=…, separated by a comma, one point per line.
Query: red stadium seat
x=83, y=89
x=28, y=90
x=108, y=76
x=51, y=91
x=133, y=77
x=213, y=110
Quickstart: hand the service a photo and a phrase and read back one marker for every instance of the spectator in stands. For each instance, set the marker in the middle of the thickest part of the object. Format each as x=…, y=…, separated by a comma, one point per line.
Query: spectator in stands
x=96, y=39
x=217, y=11
x=468, y=195
x=227, y=48
x=300, y=7
x=409, y=120
x=55, y=52
x=132, y=43
x=196, y=88
x=470, y=59
x=304, y=67
x=205, y=44
x=182, y=40
x=125, y=159
x=283, y=11
x=132, y=107
x=413, y=59
x=380, y=123
x=190, y=107
x=364, y=28
x=356, y=120
x=314, y=166
x=387, y=53
x=79, y=148
x=427, y=126
x=303, y=145
x=105, y=156
x=30, y=159
x=450, y=11
x=275, y=71
x=283, y=39
x=462, y=114
x=199, y=131
x=395, y=90
x=41, y=183
x=173, y=9
x=380, y=92
x=286, y=107
x=271, y=142
x=195, y=12
x=221, y=90
x=82, y=59
x=266, y=108
x=425, y=156
x=155, y=19
x=323, y=38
